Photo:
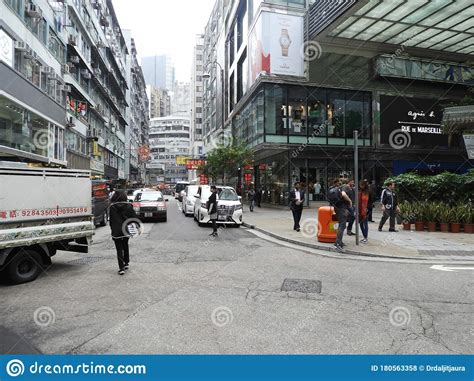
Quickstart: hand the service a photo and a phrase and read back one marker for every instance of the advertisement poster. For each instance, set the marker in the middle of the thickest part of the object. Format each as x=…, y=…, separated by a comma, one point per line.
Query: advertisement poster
x=415, y=121
x=275, y=45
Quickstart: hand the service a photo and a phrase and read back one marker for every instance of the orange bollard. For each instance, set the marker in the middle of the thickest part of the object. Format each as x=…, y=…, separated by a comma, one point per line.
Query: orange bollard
x=327, y=224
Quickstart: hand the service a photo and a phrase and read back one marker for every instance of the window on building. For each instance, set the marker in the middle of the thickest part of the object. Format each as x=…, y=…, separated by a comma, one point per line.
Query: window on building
x=241, y=76
x=297, y=114
x=276, y=110
x=231, y=93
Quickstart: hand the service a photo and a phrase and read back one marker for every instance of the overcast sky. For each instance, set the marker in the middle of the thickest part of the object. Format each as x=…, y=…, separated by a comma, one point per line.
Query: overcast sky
x=165, y=27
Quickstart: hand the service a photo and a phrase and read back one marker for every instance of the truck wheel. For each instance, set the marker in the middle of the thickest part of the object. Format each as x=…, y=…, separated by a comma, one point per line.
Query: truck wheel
x=105, y=217
x=25, y=266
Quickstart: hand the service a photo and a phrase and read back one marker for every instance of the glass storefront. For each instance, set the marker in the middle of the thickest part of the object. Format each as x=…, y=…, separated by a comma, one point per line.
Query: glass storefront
x=26, y=131
x=302, y=117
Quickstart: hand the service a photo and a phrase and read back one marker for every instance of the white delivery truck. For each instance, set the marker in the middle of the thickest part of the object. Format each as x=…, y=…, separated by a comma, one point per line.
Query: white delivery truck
x=42, y=210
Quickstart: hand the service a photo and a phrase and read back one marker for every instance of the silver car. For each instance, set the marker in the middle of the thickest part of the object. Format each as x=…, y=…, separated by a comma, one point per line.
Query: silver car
x=187, y=204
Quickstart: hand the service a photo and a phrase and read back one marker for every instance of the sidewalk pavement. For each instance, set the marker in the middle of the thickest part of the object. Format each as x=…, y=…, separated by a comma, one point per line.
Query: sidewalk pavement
x=278, y=223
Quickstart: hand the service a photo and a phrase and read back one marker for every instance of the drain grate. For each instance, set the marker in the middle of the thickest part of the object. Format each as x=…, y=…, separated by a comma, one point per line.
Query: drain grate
x=306, y=286
x=86, y=260
x=447, y=252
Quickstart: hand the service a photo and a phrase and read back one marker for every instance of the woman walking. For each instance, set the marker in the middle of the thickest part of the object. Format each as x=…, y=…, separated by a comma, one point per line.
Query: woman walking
x=212, y=210
x=120, y=211
x=363, y=209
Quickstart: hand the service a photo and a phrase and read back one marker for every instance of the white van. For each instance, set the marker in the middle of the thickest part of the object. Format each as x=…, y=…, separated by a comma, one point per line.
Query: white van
x=229, y=206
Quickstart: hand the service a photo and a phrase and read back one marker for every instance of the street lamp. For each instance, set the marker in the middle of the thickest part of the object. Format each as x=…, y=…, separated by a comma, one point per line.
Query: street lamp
x=208, y=76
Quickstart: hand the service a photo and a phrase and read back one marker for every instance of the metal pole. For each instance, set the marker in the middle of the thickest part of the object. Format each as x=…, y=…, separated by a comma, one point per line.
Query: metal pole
x=356, y=180
x=223, y=99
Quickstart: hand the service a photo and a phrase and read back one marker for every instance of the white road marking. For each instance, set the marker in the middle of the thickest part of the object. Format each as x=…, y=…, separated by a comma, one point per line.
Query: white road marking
x=450, y=268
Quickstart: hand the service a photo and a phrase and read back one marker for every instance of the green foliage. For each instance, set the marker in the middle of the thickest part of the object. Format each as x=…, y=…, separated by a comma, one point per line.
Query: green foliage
x=224, y=161
x=447, y=187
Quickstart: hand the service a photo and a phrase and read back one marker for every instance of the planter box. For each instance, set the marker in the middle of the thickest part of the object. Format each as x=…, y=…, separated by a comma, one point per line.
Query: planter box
x=469, y=228
x=431, y=226
x=419, y=226
x=455, y=227
x=444, y=227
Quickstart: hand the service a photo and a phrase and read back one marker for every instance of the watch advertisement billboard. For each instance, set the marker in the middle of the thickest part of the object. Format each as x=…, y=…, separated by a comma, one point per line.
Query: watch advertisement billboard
x=275, y=46
x=406, y=122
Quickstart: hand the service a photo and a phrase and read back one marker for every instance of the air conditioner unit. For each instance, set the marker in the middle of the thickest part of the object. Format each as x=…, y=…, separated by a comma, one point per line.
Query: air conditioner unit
x=66, y=69
x=92, y=134
x=72, y=40
x=29, y=54
x=75, y=59
x=100, y=44
x=97, y=72
x=48, y=70
x=66, y=88
x=21, y=46
x=33, y=11
x=86, y=75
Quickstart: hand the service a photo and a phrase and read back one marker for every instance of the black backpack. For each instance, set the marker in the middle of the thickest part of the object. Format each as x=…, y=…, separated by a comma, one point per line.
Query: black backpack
x=335, y=197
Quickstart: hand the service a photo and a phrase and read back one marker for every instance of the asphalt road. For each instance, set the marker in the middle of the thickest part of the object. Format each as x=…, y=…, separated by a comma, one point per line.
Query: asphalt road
x=185, y=293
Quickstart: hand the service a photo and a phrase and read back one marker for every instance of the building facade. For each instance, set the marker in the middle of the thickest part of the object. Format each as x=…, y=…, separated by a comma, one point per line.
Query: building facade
x=197, y=144
x=169, y=143
x=159, y=71
x=296, y=88
x=181, y=99
x=64, y=66
x=136, y=133
x=32, y=88
x=160, y=102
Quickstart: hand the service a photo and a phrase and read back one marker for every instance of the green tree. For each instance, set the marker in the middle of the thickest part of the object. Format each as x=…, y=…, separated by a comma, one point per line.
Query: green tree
x=224, y=161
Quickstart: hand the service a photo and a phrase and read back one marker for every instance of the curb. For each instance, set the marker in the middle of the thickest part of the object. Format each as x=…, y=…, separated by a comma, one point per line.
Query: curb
x=351, y=252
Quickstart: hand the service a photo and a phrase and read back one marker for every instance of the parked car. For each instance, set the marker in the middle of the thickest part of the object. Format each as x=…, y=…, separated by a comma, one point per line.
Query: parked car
x=150, y=204
x=180, y=186
x=229, y=206
x=130, y=196
x=187, y=205
x=100, y=202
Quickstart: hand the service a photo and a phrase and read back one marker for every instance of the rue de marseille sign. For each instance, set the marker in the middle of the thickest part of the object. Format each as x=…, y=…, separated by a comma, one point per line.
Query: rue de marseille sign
x=411, y=122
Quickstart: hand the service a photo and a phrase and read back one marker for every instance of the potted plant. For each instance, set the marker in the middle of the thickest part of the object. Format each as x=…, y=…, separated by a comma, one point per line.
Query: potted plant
x=456, y=219
x=469, y=220
x=431, y=215
x=444, y=217
x=419, y=214
x=406, y=211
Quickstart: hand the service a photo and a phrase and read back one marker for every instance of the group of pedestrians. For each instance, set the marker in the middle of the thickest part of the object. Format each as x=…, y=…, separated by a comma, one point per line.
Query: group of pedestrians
x=342, y=197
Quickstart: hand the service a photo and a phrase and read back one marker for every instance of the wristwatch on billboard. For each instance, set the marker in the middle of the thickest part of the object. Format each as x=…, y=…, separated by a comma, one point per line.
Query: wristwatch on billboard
x=285, y=42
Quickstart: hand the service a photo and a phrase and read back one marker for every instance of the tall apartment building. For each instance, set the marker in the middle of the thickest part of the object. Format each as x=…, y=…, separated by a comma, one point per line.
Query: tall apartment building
x=197, y=146
x=63, y=84
x=136, y=133
x=159, y=71
x=160, y=102
x=169, y=139
x=181, y=99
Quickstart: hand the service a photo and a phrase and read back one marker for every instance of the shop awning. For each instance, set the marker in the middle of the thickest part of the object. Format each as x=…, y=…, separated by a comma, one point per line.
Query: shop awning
x=445, y=25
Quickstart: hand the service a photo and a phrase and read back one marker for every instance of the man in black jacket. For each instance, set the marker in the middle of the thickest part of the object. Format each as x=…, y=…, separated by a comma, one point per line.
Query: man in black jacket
x=389, y=206
x=296, y=205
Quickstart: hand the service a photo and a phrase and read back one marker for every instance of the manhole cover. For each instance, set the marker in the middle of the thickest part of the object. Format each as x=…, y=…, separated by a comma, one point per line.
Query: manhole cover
x=306, y=286
x=446, y=252
x=86, y=260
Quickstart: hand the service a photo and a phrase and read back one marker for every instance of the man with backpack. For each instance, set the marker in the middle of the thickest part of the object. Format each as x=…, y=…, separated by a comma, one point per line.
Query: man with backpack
x=340, y=201
x=389, y=206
